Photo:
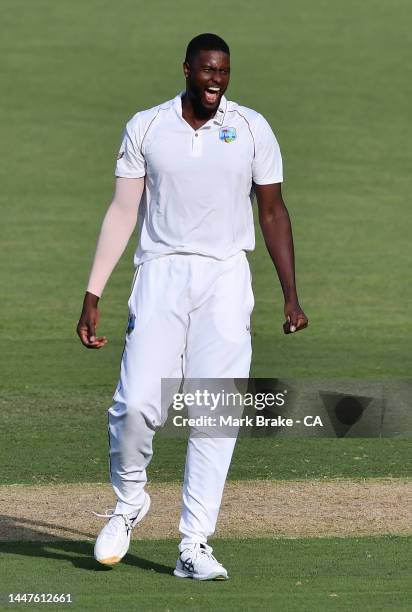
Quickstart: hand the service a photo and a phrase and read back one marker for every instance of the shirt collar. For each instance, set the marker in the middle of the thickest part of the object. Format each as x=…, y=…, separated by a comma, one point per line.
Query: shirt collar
x=218, y=118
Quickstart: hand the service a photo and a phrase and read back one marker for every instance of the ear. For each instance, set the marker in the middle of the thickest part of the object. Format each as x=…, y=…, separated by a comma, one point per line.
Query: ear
x=186, y=69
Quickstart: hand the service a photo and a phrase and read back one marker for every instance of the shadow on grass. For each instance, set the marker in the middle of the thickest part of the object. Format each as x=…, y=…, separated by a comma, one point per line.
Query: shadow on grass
x=24, y=537
x=20, y=528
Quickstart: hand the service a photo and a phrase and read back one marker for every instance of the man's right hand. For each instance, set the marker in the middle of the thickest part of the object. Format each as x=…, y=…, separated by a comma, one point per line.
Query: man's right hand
x=87, y=325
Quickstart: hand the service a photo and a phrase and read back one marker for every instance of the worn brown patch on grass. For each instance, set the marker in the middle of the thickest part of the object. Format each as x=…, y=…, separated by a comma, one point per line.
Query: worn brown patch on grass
x=249, y=509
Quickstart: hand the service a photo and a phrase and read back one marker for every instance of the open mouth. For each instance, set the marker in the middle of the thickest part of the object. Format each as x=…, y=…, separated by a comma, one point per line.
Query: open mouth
x=212, y=94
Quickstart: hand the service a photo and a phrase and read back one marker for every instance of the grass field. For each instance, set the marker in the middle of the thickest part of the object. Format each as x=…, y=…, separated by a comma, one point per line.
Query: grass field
x=72, y=448
x=332, y=81
x=332, y=78
x=311, y=574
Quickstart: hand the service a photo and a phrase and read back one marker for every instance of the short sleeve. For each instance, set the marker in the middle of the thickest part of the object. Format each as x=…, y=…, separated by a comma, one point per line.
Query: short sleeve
x=267, y=164
x=130, y=161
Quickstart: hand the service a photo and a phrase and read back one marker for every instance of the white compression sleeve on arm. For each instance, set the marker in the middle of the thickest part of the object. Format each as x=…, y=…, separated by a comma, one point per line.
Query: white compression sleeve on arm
x=118, y=225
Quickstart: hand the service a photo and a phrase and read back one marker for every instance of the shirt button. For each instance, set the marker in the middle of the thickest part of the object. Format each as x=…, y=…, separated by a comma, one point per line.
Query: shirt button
x=196, y=135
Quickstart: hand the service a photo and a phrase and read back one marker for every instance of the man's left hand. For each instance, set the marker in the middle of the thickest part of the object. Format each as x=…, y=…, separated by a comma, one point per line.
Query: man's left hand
x=295, y=318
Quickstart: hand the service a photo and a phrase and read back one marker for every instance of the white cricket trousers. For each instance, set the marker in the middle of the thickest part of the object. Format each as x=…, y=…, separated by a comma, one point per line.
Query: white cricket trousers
x=193, y=320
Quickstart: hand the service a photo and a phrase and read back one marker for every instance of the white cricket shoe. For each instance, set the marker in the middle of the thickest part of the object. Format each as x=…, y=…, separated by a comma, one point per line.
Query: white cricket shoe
x=196, y=561
x=114, y=539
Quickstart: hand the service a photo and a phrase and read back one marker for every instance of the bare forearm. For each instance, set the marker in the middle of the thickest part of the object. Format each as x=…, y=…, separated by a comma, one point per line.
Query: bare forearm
x=277, y=232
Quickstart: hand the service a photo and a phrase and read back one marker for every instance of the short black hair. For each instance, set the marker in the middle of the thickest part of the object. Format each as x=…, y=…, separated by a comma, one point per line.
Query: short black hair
x=205, y=42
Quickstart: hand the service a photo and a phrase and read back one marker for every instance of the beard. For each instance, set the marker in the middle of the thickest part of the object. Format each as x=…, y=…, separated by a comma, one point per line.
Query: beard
x=200, y=106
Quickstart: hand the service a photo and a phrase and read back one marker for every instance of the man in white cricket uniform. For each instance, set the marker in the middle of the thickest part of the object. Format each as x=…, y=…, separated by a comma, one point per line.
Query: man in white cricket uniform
x=193, y=163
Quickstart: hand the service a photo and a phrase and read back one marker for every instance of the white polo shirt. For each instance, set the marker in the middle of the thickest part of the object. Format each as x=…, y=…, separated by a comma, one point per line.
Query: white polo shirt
x=198, y=183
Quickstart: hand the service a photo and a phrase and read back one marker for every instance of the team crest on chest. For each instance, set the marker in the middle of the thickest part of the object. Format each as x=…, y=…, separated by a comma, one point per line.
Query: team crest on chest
x=227, y=134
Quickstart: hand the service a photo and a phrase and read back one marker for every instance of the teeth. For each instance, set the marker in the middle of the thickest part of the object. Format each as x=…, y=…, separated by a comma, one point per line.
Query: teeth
x=213, y=89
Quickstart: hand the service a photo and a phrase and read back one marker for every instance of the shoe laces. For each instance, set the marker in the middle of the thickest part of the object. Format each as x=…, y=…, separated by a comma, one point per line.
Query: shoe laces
x=207, y=550
x=198, y=549
x=107, y=514
x=110, y=514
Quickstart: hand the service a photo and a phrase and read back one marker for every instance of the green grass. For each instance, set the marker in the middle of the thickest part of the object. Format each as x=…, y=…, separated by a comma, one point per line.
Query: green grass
x=333, y=82
x=288, y=575
x=65, y=436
